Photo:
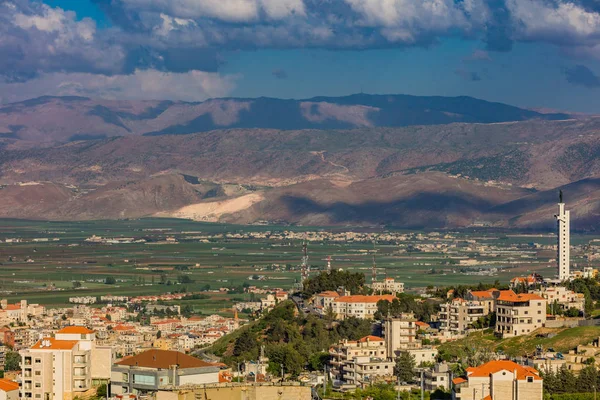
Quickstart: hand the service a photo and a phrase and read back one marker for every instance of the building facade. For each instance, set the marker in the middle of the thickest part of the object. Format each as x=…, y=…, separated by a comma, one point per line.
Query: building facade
x=499, y=380
x=152, y=370
x=363, y=307
x=400, y=334
x=66, y=366
x=388, y=285
x=519, y=314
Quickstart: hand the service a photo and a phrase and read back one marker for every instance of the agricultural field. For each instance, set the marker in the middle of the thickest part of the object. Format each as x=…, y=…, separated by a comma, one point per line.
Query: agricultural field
x=48, y=262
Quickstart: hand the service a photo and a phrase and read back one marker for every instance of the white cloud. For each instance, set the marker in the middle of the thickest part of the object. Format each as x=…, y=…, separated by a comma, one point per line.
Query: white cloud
x=559, y=23
x=225, y=10
x=147, y=84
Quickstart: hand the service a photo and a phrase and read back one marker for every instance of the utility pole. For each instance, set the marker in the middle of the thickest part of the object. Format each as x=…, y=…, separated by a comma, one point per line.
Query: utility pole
x=422, y=386
x=282, y=374
x=305, y=269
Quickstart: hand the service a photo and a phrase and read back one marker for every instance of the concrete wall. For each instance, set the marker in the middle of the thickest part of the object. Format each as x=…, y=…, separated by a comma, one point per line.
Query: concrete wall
x=230, y=392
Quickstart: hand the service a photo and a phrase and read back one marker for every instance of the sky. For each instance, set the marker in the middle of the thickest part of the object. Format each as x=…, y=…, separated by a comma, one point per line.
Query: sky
x=530, y=53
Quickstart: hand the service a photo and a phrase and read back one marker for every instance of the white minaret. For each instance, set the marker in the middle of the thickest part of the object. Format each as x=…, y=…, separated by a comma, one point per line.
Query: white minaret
x=563, y=254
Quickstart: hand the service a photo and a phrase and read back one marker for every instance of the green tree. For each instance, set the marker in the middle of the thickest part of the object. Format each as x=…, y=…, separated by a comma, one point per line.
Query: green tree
x=405, y=367
x=12, y=361
x=110, y=280
x=587, y=379
x=317, y=361
x=76, y=284
x=245, y=343
x=101, y=391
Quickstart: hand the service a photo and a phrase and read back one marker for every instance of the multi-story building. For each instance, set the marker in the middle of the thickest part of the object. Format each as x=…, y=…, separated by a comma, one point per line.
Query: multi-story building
x=152, y=370
x=360, y=362
x=363, y=307
x=459, y=315
x=400, y=334
x=388, y=285
x=437, y=377
x=562, y=297
x=65, y=366
x=499, y=380
x=519, y=314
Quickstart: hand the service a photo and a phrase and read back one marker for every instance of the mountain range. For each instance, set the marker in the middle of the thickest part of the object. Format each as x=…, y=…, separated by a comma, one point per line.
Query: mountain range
x=406, y=161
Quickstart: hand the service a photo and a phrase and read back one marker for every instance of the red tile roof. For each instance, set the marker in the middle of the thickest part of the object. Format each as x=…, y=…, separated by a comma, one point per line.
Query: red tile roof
x=365, y=299
x=503, y=365
x=370, y=338
x=7, y=385
x=54, y=344
x=80, y=330
x=164, y=359
x=509, y=295
x=458, y=381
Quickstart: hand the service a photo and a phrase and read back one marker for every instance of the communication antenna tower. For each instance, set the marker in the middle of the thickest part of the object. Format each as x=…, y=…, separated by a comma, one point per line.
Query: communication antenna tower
x=305, y=267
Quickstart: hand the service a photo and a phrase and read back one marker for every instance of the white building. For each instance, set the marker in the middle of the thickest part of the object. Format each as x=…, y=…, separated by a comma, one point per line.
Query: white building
x=563, y=255
x=67, y=366
x=358, y=306
x=388, y=285
x=9, y=390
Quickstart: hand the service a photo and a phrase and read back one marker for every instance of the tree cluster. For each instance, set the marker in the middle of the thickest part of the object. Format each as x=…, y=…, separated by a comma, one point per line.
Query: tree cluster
x=354, y=282
x=291, y=339
x=564, y=381
x=406, y=303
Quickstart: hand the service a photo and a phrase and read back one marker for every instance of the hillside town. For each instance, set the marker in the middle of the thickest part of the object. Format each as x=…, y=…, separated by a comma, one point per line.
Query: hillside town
x=151, y=347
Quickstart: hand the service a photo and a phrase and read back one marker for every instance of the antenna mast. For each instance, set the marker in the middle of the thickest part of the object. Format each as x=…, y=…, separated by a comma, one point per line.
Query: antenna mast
x=374, y=268
x=328, y=264
x=305, y=267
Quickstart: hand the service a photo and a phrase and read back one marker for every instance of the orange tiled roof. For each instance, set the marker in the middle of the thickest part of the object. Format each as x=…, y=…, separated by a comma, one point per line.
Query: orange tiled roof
x=423, y=324
x=509, y=295
x=503, y=365
x=55, y=344
x=164, y=359
x=6, y=385
x=365, y=299
x=483, y=293
x=329, y=293
x=458, y=381
x=13, y=307
x=370, y=338
x=80, y=330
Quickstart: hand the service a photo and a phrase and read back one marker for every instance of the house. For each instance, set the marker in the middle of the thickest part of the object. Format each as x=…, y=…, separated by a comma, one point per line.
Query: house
x=519, y=314
x=9, y=390
x=499, y=380
x=459, y=314
x=152, y=370
x=562, y=297
x=437, y=377
x=325, y=299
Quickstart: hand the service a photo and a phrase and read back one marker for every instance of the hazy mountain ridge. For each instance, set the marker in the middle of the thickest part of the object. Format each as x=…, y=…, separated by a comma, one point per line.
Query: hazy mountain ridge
x=434, y=175
x=62, y=119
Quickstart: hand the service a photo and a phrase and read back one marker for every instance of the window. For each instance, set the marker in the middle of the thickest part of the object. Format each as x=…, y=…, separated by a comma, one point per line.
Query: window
x=38, y=385
x=38, y=360
x=530, y=379
x=144, y=379
x=38, y=373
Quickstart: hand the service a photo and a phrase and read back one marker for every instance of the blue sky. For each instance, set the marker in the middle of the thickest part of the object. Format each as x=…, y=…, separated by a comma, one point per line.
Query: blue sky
x=531, y=53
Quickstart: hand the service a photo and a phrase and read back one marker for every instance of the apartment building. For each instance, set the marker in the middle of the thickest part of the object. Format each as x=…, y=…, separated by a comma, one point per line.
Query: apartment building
x=65, y=366
x=459, y=314
x=519, y=314
x=499, y=380
x=388, y=285
x=363, y=307
x=360, y=362
x=400, y=334
x=562, y=297
x=152, y=370
x=439, y=377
